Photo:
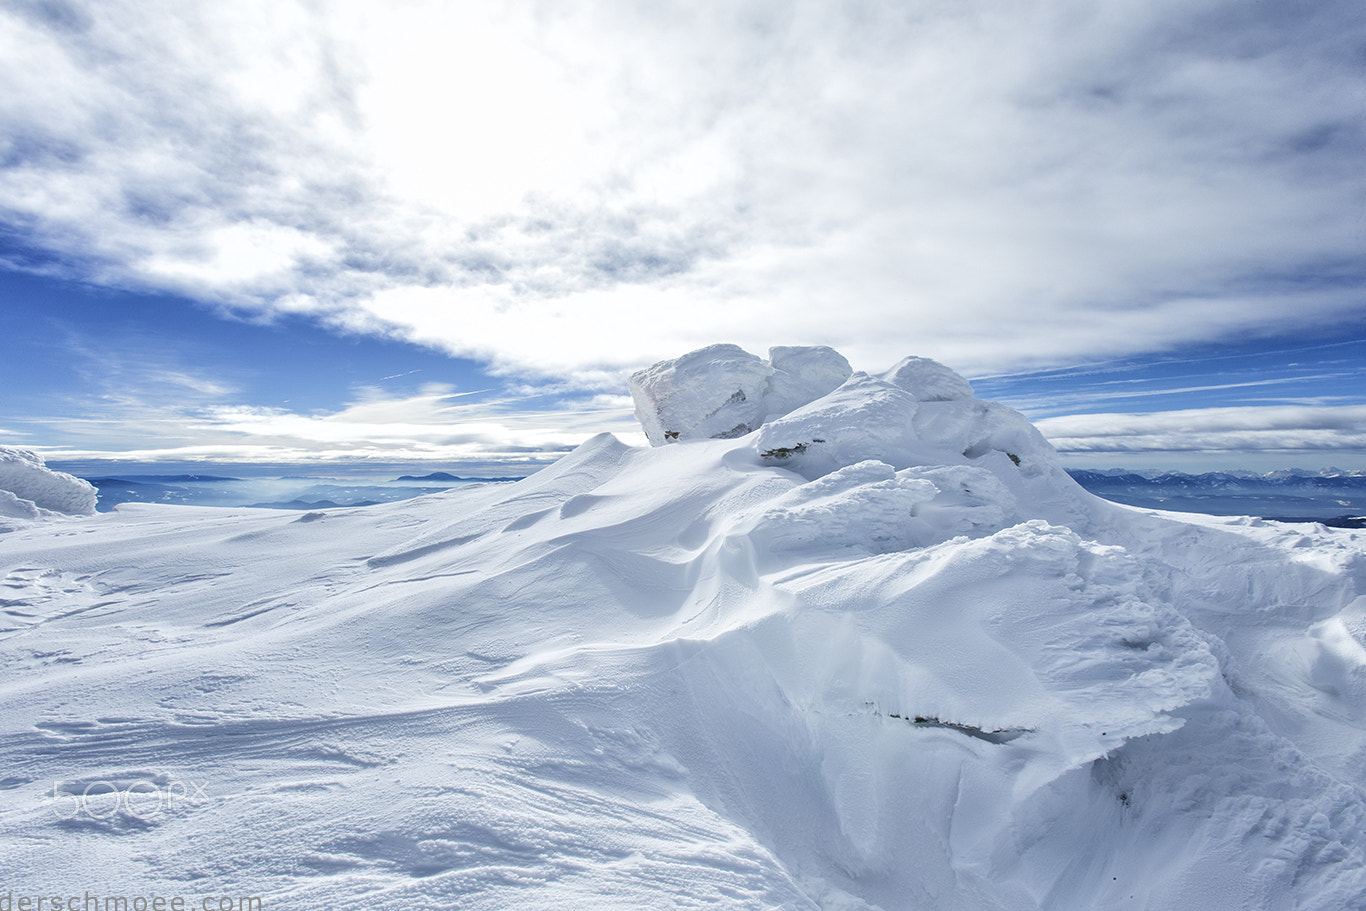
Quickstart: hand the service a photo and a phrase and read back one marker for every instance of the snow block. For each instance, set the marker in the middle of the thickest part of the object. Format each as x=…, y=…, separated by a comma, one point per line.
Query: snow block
x=715, y=392
x=722, y=391
x=32, y=487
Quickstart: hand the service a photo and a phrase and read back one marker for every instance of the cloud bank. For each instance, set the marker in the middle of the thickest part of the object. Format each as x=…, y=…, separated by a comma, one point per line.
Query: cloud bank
x=161, y=407
x=1284, y=429
x=577, y=188
x=433, y=426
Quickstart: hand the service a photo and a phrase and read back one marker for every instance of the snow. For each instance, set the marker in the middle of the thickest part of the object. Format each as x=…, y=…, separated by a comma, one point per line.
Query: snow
x=29, y=489
x=929, y=380
x=897, y=668
x=723, y=391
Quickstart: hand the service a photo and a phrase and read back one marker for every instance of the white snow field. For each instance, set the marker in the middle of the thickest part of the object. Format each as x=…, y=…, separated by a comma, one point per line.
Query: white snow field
x=875, y=651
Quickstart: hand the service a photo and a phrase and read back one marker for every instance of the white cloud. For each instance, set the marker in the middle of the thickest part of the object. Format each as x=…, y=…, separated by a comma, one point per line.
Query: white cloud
x=1247, y=429
x=435, y=425
x=237, y=254
x=1066, y=400
x=569, y=189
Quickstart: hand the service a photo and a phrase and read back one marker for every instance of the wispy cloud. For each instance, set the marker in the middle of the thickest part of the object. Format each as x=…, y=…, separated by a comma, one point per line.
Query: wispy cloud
x=566, y=190
x=1092, y=398
x=434, y=425
x=1278, y=429
x=425, y=426
x=1268, y=373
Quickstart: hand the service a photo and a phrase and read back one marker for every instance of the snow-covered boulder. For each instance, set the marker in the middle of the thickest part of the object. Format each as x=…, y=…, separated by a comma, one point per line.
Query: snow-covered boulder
x=715, y=392
x=818, y=416
x=930, y=381
x=953, y=464
x=918, y=413
x=722, y=391
x=28, y=488
x=802, y=375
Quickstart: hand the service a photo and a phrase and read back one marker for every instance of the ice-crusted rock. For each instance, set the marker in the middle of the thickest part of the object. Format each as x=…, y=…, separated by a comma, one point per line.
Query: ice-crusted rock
x=818, y=416
x=722, y=391
x=803, y=374
x=715, y=392
x=933, y=460
x=28, y=488
x=918, y=413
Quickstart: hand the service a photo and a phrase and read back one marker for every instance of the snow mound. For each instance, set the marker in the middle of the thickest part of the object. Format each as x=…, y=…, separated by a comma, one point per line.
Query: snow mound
x=871, y=506
x=29, y=489
x=722, y=391
x=905, y=425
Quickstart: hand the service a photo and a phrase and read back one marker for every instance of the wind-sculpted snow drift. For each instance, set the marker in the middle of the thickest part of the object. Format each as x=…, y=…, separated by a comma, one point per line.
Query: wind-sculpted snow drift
x=29, y=489
x=840, y=641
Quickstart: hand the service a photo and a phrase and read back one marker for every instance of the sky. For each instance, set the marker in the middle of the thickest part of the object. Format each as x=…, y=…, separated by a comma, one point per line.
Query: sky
x=283, y=233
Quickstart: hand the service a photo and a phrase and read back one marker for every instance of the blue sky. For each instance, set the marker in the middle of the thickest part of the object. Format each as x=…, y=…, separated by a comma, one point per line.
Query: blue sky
x=282, y=233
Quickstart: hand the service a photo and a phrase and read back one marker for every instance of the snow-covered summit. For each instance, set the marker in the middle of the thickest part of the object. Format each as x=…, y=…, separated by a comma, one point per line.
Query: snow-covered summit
x=29, y=489
x=817, y=413
x=955, y=462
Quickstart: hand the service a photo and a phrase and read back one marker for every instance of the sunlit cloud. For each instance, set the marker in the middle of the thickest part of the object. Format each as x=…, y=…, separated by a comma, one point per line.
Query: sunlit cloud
x=424, y=426
x=566, y=191
x=432, y=426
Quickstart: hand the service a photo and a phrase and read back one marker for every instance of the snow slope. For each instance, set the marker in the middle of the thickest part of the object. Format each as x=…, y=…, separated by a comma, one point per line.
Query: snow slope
x=878, y=652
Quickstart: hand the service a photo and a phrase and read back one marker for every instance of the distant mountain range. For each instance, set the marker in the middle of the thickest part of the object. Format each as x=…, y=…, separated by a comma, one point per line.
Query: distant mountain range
x=1332, y=496
x=1329, y=477
x=447, y=476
